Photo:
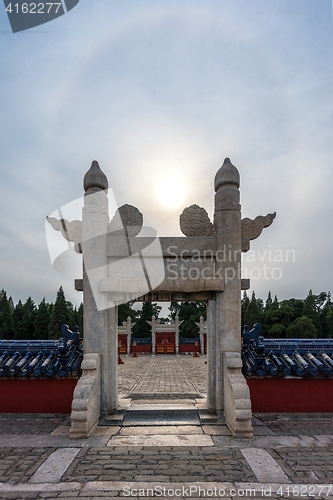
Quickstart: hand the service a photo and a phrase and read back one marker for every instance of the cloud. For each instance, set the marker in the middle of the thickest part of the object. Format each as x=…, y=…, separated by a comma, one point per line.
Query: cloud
x=160, y=94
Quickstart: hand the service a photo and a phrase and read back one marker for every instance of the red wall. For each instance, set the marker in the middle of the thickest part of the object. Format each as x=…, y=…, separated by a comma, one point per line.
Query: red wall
x=189, y=348
x=141, y=348
x=36, y=396
x=291, y=395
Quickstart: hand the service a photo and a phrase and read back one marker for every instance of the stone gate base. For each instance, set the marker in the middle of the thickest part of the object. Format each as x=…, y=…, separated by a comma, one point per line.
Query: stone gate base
x=86, y=408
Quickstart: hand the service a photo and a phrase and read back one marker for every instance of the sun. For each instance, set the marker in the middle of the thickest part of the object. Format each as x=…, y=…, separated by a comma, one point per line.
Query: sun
x=171, y=192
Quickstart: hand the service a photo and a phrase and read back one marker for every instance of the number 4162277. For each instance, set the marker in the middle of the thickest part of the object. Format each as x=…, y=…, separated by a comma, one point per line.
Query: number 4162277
x=33, y=8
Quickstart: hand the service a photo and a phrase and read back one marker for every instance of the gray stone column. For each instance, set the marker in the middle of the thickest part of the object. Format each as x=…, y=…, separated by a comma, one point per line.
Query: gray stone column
x=100, y=323
x=211, y=355
x=201, y=333
x=152, y=323
x=129, y=334
x=227, y=223
x=177, y=324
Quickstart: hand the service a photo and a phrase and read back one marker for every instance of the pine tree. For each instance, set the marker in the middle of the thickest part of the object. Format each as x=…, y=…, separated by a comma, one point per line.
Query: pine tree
x=244, y=303
x=302, y=327
x=125, y=311
x=310, y=310
x=6, y=316
x=252, y=313
x=142, y=328
x=42, y=321
x=268, y=301
x=174, y=309
x=29, y=316
x=190, y=313
x=80, y=322
x=60, y=315
x=18, y=322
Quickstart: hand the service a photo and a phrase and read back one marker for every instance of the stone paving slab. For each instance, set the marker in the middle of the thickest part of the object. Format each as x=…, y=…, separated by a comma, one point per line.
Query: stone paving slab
x=162, y=440
x=193, y=490
x=160, y=430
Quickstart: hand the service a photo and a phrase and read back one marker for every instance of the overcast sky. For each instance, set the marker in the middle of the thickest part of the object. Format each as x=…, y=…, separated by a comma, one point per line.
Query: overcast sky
x=160, y=92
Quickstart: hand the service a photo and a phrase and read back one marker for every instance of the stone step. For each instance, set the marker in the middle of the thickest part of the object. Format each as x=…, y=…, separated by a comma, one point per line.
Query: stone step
x=116, y=418
x=208, y=417
x=170, y=414
x=161, y=416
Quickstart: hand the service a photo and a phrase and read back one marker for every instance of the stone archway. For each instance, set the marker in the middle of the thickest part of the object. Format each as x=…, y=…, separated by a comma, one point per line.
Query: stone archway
x=119, y=265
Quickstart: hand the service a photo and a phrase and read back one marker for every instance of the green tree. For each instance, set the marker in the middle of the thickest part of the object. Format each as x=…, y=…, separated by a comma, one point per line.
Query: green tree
x=60, y=315
x=42, y=321
x=329, y=323
x=77, y=318
x=244, y=303
x=28, y=320
x=269, y=301
x=6, y=316
x=277, y=331
x=302, y=327
x=310, y=309
x=142, y=329
x=190, y=313
x=125, y=311
x=174, y=309
x=325, y=317
x=252, y=313
x=19, y=327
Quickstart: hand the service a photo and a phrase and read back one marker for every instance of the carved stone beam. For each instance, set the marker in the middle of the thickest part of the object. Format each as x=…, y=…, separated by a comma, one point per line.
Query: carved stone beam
x=251, y=229
x=71, y=231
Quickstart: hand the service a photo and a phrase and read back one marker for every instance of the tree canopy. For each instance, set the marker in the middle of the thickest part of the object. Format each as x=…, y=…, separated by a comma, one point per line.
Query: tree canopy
x=293, y=318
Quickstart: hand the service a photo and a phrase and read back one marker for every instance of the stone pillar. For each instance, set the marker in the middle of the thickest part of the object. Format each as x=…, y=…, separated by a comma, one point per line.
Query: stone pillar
x=100, y=323
x=211, y=355
x=129, y=334
x=177, y=325
x=152, y=323
x=201, y=333
x=227, y=223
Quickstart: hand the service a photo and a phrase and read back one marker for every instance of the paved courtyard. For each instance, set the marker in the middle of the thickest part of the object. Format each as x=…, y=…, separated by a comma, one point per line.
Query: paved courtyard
x=290, y=456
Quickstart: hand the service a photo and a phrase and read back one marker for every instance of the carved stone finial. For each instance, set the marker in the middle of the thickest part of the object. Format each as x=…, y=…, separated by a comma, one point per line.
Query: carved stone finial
x=95, y=179
x=227, y=174
x=194, y=221
x=71, y=231
x=127, y=221
x=251, y=229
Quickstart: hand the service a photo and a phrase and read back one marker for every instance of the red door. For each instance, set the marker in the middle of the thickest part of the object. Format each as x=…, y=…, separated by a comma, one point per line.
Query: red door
x=165, y=343
x=122, y=343
x=205, y=342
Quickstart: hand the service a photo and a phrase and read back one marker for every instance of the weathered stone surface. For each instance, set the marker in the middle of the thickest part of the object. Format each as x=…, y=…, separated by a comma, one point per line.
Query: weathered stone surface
x=127, y=221
x=86, y=406
x=95, y=178
x=194, y=221
x=237, y=403
x=252, y=229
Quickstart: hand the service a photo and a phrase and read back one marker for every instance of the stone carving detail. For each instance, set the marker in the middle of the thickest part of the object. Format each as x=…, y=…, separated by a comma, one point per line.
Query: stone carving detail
x=86, y=405
x=194, y=221
x=224, y=206
x=95, y=179
x=127, y=221
x=251, y=229
x=237, y=401
x=71, y=231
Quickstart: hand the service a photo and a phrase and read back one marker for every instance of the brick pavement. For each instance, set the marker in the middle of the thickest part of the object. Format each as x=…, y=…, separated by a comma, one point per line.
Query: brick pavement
x=300, y=446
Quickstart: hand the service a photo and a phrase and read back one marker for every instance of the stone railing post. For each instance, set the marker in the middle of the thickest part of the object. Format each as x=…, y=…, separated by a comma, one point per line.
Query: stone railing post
x=100, y=322
x=227, y=223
